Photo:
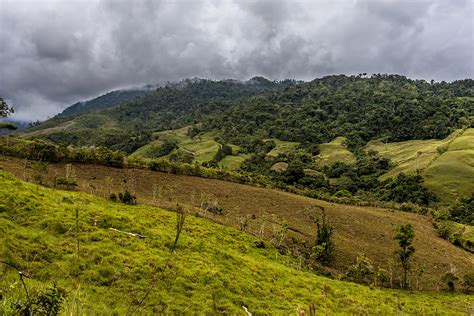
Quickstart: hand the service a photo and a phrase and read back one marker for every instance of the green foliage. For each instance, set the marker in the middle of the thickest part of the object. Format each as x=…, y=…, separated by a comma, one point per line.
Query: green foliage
x=458, y=234
x=47, y=152
x=181, y=156
x=48, y=303
x=404, y=236
x=362, y=270
x=359, y=108
x=324, y=245
x=107, y=100
x=463, y=211
x=468, y=282
x=67, y=182
x=126, y=198
x=164, y=149
x=406, y=188
x=7, y=126
x=450, y=279
x=223, y=151
x=40, y=168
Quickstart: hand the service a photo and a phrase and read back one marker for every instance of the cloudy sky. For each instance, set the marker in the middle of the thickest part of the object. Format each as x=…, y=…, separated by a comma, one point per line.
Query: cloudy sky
x=54, y=53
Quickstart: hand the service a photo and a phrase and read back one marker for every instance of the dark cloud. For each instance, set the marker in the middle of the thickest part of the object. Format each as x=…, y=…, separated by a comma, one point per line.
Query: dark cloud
x=53, y=53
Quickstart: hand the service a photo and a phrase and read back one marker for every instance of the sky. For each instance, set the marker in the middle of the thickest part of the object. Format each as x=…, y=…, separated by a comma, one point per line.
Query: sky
x=54, y=53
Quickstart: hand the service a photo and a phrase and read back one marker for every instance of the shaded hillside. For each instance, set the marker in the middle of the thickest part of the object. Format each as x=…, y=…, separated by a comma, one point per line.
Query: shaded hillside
x=107, y=100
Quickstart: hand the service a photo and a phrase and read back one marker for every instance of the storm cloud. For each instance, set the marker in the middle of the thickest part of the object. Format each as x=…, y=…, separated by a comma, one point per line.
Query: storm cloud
x=54, y=53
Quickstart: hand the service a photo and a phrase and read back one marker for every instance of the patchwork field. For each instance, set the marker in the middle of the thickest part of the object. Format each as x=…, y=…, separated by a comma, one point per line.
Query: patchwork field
x=358, y=230
x=334, y=151
x=282, y=147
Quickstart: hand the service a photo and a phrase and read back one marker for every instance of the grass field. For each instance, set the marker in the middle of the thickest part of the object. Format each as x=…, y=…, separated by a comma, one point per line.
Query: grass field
x=447, y=165
x=357, y=229
x=280, y=166
x=233, y=162
x=203, y=147
x=333, y=152
x=215, y=269
x=282, y=147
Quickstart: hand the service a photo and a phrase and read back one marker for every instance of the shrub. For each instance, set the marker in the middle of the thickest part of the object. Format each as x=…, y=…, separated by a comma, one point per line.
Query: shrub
x=450, y=279
x=362, y=269
x=324, y=246
x=463, y=211
x=48, y=302
x=68, y=183
x=468, y=282
x=126, y=198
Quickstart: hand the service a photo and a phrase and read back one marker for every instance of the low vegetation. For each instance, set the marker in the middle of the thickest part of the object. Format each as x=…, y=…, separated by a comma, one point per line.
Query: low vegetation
x=213, y=269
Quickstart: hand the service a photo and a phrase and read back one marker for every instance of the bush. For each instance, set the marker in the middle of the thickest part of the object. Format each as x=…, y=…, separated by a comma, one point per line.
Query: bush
x=450, y=279
x=463, y=211
x=468, y=282
x=126, y=198
x=324, y=246
x=68, y=183
x=48, y=302
x=362, y=269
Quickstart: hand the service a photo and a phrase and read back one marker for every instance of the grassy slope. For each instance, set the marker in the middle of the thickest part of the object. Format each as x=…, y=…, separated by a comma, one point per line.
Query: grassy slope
x=357, y=229
x=214, y=266
x=449, y=175
x=204, y=147
x=282, y=147
x=333, y=152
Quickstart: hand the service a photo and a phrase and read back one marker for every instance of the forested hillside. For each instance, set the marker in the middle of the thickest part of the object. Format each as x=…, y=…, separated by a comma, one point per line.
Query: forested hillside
x=360, y=108
x=128, y=125
x=382, y=106
x=107, y=100
x=316, y=135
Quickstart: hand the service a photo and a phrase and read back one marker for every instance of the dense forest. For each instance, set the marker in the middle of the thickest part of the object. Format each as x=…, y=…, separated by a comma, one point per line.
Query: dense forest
x=361, y=108
x=382, y=106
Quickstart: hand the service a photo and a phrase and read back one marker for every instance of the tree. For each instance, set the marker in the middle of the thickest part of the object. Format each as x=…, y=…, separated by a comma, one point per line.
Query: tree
x=405, y=235
x=324, y=246
x=5, y=110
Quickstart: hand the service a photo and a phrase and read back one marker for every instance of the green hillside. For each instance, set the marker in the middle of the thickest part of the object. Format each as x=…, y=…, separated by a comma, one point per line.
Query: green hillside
x=107, y=100
x=214, y=269
x=334, y=151
x=447, y=165
x=128, y=125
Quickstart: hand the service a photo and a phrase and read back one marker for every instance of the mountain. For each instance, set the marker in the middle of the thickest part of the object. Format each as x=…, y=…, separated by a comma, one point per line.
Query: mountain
x=107, y=100
x=324, y=127
x=127, y=126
